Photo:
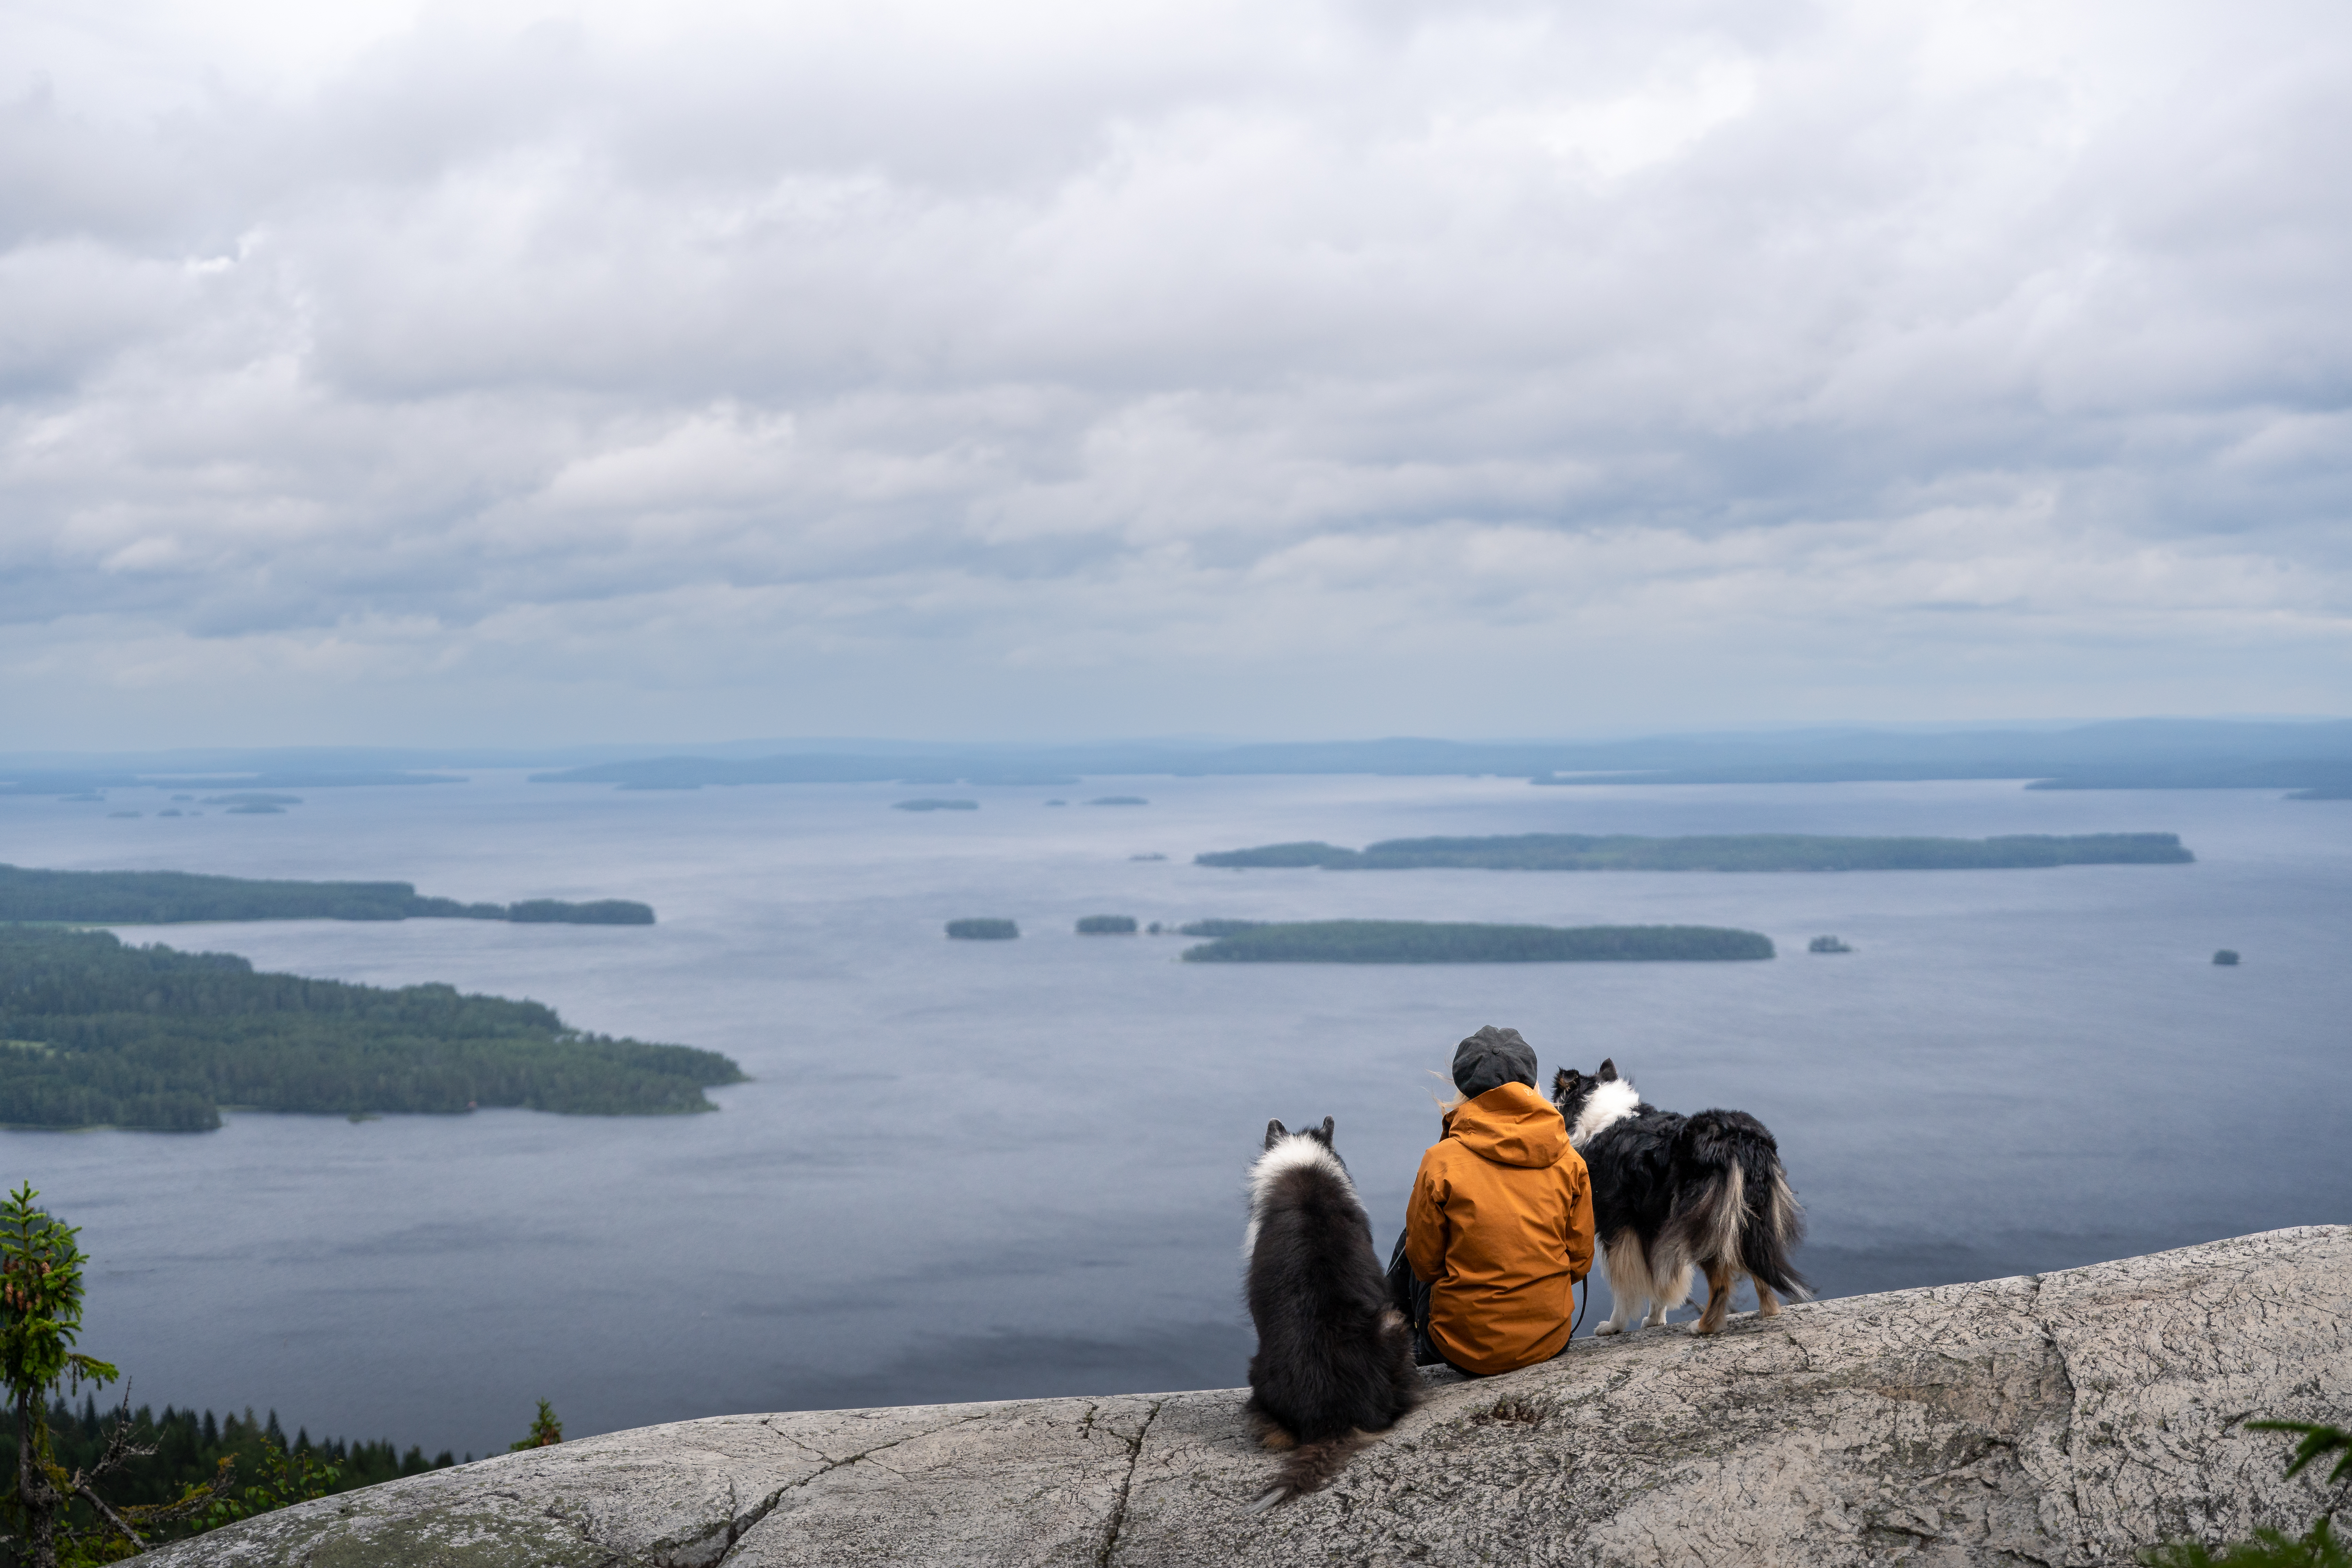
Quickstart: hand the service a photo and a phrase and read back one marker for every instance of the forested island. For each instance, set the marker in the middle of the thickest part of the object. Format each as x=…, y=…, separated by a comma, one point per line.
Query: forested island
x=97, y=1033
x=165, y=898
x=936, y=804
x=982, y=929
x=1720, y=852
x=1423, y=941
x=1219, y=928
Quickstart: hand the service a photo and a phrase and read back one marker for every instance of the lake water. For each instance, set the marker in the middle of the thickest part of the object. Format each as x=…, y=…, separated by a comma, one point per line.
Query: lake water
x=968, y=1170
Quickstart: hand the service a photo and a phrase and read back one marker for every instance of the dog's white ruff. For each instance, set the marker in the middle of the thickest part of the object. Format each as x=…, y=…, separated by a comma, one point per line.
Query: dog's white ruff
x=1293, y=1151
x=1608, y=1105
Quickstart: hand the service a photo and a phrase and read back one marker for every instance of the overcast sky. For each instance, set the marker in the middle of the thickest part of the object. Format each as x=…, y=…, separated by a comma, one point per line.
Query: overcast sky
x=536, y=373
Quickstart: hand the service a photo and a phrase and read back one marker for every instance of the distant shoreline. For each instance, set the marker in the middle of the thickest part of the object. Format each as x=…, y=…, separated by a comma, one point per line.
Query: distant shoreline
x=29, y=897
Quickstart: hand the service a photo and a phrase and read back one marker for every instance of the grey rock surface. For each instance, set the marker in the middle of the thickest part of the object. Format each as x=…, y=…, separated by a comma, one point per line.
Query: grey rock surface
x=2065, y=1418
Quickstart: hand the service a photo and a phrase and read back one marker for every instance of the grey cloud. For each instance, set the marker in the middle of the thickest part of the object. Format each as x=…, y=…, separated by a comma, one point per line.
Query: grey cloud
x=1063, y=343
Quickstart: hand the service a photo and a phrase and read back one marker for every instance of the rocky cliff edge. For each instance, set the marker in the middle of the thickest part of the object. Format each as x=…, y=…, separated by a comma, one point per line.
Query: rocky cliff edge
x=2063, y=1418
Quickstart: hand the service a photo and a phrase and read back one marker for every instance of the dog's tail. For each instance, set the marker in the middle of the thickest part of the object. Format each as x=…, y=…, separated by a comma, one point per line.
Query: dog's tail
x=1772, y=1224
x=1309, y=1468
x=1705, y=1225
x=1742, y=1211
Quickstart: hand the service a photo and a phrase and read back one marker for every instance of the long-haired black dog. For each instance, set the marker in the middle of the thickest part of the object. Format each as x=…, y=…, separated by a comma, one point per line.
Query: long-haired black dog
x=1673, y=1193
x=1334, y=1359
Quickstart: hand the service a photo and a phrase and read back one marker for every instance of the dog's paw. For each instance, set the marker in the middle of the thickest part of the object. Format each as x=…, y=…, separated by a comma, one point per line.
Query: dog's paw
x=1608, y=1328
x=1700, y=1328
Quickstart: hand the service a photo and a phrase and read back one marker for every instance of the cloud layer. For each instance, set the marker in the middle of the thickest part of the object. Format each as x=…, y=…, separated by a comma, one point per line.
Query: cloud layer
x=388, y=373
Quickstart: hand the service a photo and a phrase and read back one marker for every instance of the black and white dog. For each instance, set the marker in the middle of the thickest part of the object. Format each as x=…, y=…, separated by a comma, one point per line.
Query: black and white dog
x=1334, y=1359
x=1671, y=1193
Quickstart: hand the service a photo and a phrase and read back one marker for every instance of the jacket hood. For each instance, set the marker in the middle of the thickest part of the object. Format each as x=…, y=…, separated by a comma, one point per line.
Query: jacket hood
x=1510, y=1124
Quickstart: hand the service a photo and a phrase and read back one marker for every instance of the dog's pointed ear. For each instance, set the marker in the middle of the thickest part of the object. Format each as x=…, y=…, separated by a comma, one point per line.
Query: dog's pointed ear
x=1327, y=1130
x=1274, y=1134
x=1561, y=1082
x=1608, y=1073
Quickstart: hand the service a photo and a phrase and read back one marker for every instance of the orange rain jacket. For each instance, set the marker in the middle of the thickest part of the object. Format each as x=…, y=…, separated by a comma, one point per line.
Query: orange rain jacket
x=1500, y=1221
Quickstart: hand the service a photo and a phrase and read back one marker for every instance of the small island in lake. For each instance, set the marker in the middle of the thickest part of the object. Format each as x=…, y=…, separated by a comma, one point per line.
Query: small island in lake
x=982, y=931
x=2227, y=958
x=96, y=1032
x=1423, y=941
x=1827, y=944
x=929, y=805
x=167, y=898
x=1106, y=925
x=1719, y=852
x=1119, y=800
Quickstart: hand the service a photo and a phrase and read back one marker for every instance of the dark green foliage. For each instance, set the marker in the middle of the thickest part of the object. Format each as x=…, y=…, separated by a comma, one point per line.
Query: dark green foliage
x=1217, y=927
x=1106, y=925
x=2319, y=1441
x=102, y=1034
x=161, y=897
x=982, y=931
x=928, y=804
x=2318, y=1548
x=1725, y=852
x=1418, y=942
x=2227, y=958
x=546, y=1431
x=1312, y=853
x=40, y=1320
x=2269, y=1548
x=595, y=912
x=267, y=1469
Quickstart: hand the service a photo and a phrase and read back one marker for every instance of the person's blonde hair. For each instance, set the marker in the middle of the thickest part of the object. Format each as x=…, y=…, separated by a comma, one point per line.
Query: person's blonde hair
x=1451, y=1096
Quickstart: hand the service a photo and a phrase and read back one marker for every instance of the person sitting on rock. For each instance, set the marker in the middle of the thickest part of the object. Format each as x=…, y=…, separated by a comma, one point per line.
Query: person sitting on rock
x=1499, y=1227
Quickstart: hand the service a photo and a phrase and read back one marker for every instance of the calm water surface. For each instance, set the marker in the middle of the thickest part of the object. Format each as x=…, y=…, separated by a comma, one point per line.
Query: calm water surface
x=980, y=1170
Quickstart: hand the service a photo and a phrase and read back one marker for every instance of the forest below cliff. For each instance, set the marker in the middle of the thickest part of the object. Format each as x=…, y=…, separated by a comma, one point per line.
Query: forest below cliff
x=94, y=1032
